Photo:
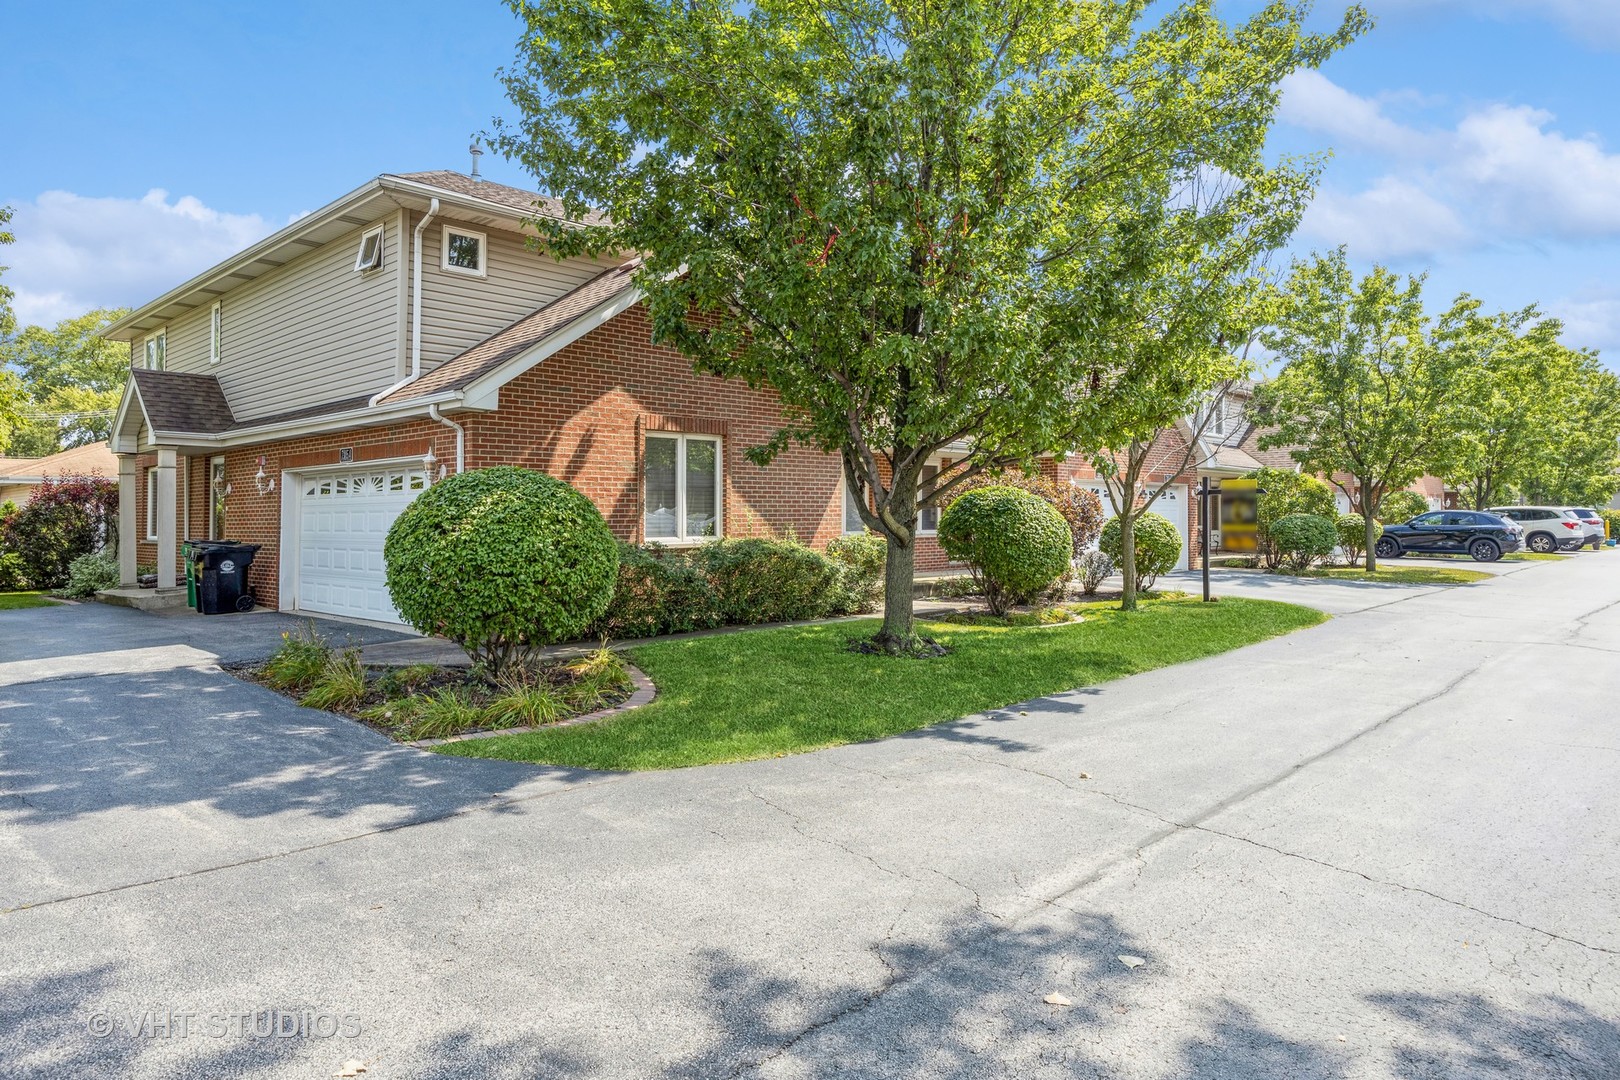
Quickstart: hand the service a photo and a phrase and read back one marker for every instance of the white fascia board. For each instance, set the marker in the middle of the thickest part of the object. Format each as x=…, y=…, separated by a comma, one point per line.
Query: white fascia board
x=115, y=441
x=484, y=392
x=124, y=329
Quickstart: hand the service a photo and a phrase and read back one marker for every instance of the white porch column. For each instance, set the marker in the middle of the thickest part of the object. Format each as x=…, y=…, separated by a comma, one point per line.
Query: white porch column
x=127, y=519
x=168, y=528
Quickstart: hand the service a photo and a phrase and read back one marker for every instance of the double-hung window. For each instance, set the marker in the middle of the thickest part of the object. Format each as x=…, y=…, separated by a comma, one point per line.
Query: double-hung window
x=154, y=352
x=928, y=516
x=215, y=328
x=682, y=481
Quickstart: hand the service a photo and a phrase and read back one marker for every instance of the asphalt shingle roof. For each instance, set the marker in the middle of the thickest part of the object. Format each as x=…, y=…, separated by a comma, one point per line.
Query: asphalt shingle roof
x=183, y=402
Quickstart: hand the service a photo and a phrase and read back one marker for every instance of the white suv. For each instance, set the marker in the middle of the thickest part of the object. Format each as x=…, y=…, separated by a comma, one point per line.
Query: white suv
x=1590, y=521
x=1546, y=528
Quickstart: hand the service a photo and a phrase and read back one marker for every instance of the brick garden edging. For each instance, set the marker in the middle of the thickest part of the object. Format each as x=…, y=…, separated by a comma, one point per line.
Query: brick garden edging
x=642, y=695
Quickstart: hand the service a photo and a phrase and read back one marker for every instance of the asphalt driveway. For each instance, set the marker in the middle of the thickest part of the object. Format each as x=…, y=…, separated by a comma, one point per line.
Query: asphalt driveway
x=1385, y=846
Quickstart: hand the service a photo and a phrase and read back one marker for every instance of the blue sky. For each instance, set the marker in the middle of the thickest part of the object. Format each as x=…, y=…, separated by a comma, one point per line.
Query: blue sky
x=1474, y=139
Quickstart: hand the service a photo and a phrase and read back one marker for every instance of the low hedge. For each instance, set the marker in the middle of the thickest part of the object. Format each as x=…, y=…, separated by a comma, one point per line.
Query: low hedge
x=738, y=583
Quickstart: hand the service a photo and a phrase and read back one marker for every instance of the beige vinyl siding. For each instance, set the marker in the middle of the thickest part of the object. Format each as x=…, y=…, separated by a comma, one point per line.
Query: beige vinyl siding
x=312, y=332
x=460, y=310
x=186, y=348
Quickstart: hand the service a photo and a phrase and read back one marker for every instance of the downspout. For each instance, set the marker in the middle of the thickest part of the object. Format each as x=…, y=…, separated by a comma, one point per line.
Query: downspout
x=416, y=309
x=461, y=437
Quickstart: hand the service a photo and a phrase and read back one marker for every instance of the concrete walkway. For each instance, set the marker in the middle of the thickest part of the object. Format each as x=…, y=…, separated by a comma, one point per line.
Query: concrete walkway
x=1385, y=846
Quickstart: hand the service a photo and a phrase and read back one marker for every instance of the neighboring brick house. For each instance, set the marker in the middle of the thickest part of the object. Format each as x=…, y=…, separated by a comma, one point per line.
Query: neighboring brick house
x=300, y=394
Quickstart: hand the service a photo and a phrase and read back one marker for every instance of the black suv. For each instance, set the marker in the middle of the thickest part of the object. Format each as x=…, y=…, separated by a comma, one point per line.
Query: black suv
x=1483, y=537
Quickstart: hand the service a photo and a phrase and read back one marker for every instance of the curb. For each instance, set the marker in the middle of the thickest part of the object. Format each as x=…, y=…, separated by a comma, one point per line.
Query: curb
x=643, y=694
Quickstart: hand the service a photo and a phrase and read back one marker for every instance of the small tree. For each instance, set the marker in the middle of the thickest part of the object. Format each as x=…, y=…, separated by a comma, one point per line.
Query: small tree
x=1363, y=392
x=501, y=561
x=67, y=517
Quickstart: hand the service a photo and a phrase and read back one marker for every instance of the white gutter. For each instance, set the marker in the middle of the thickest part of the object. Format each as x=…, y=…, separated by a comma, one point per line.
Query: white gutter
x=319, y=425
x=416, y=308
x=461, y=437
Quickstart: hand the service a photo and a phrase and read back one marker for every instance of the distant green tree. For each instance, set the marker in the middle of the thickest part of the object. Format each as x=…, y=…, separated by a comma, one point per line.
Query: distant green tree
x=1363, y=393
x=70, y=380
x=1584, y=467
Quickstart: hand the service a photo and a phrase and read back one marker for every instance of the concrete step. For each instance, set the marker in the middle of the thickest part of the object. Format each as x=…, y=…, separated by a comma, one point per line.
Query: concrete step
x=134, y=596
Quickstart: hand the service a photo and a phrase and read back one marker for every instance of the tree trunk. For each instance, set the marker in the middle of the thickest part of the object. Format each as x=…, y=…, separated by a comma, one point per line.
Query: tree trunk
x=899, y=573
x=1368, y=505
x=1127, y=558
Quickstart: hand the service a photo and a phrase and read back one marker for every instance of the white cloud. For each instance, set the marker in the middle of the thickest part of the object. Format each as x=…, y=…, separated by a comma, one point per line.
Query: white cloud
x=1503, y=174
x=1591, y=322
x=1313, y=101
x=74, y=253
x=1393, y=219
x=1536, y=178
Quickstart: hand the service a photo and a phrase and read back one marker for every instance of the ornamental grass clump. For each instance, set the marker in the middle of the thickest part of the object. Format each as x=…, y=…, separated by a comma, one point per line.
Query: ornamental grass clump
x=501, y=561
x=1015, y=543
x=299, y=662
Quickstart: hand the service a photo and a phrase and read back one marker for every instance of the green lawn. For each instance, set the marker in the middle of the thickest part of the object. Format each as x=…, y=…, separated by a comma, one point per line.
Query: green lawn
x=766, y=693
x=10, y=601
x=1404, y=575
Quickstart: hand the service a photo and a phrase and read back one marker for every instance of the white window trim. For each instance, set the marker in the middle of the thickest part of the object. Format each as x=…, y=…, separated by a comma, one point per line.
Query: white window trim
x=151, y=504
x=921, y=531
x=216, y=333
x=483, y=251
x=160, y=335
x=681, y=539
x=360, y=264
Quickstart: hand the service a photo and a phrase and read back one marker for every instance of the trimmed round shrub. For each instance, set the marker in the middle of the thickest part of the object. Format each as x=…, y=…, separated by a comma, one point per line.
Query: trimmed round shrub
x=756, y=580
x=1399, y=507
x=1287, y=492
x=1081, y=508
x=501, y=561
x=859, y=558
x=1015, y=543
x=1352, y=530
x=1158, y=546
x=1303, y=539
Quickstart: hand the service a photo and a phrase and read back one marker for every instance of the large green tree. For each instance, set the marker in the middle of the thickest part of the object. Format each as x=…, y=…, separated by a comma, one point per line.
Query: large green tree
x=70, y=378
x=10, y=386
x=875, y=207
x=1584, y=467
x=1513, y=379
x=1363, y=393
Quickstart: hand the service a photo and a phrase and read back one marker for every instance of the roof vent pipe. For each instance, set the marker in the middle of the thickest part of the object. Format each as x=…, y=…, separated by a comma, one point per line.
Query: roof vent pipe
x=476, y=154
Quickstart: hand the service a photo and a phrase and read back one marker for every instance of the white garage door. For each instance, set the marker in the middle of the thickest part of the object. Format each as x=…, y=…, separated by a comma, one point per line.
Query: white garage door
x=1172, y=504
x=343, y=520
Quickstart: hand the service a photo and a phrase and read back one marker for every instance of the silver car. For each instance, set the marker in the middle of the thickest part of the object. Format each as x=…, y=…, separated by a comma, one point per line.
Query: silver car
x=1591, y=524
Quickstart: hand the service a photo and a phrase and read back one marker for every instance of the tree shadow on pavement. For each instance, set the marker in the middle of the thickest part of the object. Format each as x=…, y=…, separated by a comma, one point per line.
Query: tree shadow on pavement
x=1465, y=1036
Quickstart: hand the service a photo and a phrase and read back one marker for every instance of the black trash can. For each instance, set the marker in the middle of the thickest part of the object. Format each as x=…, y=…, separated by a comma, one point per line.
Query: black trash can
x=222, y=570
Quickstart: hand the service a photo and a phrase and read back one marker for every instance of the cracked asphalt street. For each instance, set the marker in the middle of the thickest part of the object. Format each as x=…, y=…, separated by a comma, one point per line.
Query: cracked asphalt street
x=1385, y=846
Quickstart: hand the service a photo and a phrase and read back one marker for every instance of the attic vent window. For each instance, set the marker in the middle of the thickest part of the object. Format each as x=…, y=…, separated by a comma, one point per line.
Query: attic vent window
x=371, y=251
x=463, y=251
